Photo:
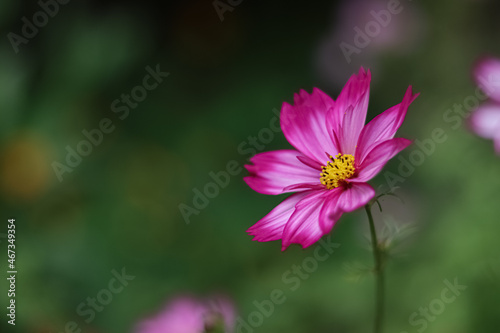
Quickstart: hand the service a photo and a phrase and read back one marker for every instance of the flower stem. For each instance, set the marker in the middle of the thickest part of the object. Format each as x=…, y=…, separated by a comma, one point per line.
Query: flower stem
x=379, y=274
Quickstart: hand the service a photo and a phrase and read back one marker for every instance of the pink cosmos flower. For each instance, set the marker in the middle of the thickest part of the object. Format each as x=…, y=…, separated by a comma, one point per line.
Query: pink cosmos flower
x=189, y=315
x=485, y=120
x=336, y=154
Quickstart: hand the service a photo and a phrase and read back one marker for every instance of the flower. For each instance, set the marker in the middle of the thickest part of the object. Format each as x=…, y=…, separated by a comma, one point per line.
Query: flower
x=186, y=314
x=336, y=154
x=485, y=120
x=364, y=32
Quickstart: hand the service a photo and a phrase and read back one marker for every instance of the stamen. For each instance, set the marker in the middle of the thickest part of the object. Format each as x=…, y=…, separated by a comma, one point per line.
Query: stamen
x=340, y=168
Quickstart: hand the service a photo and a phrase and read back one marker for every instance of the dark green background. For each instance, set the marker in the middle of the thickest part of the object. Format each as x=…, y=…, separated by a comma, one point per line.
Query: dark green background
x=119, y=207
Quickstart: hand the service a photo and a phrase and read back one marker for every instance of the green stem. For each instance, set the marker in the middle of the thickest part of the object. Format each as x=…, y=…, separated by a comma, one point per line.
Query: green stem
x=379, y=273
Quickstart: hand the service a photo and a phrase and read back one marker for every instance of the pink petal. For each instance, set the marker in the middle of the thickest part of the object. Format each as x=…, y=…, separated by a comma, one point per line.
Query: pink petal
x=304, y=187
x=183, y=315
x=304, y=124
x=355, y=196
x=304, y=226
x=356, y=94
x=383, y=126
x=318, y=99
x=309, y=162
x=378, y=157
x=330, y=212
x=271, y=226
x=354, y=121
x=485, y=121
x=487, y=75
x=273, y=171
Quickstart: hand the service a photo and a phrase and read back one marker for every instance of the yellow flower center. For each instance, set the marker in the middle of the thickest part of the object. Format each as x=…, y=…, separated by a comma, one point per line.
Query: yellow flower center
x=340, y=167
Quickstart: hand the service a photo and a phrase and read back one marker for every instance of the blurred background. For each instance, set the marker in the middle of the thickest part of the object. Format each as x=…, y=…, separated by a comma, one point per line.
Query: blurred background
x=118, y=207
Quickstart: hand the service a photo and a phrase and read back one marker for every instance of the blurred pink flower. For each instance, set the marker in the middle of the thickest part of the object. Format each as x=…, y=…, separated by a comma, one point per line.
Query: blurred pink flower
x=189, y=315
x=354, y=21
x=336, y=155
x=485, y=120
